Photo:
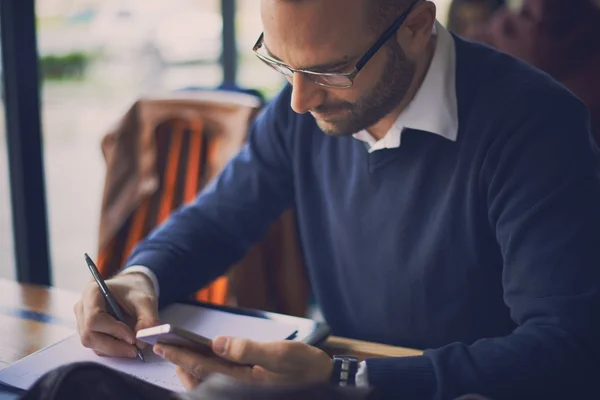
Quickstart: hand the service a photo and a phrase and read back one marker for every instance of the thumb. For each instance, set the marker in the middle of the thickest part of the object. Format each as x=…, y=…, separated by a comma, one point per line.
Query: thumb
x=247, y=352
x=282, y=358
x=146, y=314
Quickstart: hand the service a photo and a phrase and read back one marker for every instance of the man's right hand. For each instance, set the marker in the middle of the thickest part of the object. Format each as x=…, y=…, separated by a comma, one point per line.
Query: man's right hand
x=101, y=332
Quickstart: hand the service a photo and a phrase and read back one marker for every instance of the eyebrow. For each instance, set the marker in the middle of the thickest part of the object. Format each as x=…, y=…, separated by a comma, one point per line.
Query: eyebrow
x=314, y=68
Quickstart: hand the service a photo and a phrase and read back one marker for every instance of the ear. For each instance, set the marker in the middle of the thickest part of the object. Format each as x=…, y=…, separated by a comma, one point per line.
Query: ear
x=415, y=32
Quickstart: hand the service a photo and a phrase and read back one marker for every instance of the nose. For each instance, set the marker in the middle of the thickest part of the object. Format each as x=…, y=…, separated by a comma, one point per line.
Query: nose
x=306, y=94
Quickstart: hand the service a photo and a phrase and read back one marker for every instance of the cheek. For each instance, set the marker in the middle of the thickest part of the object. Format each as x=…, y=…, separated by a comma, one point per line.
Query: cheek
x=336, y=96
x=371, y=73
x=363, y=85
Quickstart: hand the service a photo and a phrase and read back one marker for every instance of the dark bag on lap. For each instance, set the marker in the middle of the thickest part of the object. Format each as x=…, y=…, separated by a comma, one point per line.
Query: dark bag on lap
x=91, y=381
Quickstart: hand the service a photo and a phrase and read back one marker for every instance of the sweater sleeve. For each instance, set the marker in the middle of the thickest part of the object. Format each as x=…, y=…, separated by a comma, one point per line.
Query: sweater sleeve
x=541, y=183
x=200, y=241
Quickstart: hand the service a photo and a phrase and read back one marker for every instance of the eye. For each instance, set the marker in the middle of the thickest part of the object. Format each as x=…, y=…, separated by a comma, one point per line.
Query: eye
x=342, y=68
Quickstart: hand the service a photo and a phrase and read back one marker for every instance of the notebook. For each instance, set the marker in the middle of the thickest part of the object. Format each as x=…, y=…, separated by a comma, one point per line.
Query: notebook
x=202, y=320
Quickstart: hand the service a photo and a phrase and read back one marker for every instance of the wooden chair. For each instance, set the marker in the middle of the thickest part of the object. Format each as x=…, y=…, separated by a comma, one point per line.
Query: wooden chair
x=158, y=157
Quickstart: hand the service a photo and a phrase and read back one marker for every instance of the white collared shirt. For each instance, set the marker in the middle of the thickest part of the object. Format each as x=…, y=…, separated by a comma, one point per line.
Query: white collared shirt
x=434, y=108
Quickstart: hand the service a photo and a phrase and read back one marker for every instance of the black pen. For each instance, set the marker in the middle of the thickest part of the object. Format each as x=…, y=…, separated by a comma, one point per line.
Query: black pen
x=112, y=304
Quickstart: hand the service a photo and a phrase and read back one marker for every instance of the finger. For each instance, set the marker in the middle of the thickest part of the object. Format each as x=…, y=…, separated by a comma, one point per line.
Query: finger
x=101, y=322
x=188, y=380
x=243, y=351
x=141, y=345
x=96, y=319
x=199, y=365
x=94, y=340
x=108, y=345
x=282, y=358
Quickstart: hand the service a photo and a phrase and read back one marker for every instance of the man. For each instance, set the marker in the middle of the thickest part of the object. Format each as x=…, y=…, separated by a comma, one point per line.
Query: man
x=448, y=199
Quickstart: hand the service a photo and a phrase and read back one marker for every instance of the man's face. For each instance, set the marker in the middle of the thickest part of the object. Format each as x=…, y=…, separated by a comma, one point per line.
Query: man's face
x=331, y=36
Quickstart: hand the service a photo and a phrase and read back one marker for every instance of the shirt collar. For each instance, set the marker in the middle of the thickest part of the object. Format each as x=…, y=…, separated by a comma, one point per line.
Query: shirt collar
x=434, y=108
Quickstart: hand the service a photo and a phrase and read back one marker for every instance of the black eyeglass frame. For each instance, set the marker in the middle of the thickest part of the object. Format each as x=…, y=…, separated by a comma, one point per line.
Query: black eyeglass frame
x=350, y=76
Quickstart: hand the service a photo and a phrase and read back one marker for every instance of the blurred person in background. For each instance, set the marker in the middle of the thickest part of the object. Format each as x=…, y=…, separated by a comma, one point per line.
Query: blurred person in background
x=465, y=16
x=560, y=37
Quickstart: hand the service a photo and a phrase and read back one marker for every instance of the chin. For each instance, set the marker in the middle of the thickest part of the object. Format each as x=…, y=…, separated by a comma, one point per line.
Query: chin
x=332, y=128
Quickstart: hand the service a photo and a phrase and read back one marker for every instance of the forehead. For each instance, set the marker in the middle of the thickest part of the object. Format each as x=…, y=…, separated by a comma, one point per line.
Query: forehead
x=311, y=32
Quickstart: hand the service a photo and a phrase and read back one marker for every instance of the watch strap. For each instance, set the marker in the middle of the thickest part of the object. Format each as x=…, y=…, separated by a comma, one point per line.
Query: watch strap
x=344, y=370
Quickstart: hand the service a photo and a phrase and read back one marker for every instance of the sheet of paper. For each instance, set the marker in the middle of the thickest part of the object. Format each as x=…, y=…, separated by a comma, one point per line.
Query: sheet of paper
x=206, y=322
x=24, y=373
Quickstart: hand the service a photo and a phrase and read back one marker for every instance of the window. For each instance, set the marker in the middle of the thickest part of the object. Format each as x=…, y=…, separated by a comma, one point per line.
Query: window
x=253, y=73
x=442, y=10
x=97, y=58
x=7, y=261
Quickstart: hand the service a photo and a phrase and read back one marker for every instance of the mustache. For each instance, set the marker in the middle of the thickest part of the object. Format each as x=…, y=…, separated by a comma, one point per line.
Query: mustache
x=331, y=108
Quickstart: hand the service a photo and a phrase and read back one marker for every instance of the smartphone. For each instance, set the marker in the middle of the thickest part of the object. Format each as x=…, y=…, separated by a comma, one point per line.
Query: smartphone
x=174, y=336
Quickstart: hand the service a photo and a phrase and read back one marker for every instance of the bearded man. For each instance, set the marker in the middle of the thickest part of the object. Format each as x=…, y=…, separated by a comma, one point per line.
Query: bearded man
x=447, y=198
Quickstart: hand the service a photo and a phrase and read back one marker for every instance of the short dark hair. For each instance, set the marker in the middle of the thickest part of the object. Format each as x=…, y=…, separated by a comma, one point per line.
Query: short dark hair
x=383, y=12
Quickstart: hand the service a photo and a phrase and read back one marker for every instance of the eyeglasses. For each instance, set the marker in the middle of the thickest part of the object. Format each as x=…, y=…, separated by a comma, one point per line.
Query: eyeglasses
x=338, y=80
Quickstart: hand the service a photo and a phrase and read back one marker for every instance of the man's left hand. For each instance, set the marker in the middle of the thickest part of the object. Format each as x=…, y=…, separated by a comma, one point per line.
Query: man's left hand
x=282, y=362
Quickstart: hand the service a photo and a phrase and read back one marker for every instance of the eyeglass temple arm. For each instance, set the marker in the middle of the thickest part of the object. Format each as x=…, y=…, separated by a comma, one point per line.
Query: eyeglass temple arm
x=258, y=42
x=384, y=38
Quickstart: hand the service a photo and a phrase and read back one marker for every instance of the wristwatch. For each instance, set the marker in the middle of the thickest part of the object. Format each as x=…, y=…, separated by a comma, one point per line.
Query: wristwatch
x=344, y=371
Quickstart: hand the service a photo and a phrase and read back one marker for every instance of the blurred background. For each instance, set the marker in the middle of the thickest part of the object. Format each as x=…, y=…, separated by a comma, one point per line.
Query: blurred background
x=96, y=58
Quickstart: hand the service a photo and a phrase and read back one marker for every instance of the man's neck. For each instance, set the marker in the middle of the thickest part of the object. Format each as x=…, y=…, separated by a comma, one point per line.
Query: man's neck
x=381, y=128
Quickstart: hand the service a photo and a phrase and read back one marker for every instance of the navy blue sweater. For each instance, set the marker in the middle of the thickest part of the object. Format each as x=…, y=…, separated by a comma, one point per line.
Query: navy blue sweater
x=484, y=252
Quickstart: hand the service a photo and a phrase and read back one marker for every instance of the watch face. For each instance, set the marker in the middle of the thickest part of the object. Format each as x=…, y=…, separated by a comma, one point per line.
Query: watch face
x=349, y=358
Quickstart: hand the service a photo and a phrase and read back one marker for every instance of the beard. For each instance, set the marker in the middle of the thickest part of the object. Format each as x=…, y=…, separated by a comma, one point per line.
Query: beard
x=379, y=101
